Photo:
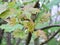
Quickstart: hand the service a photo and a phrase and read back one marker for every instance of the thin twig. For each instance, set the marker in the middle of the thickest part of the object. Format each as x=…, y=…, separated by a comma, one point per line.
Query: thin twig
x=51, y=37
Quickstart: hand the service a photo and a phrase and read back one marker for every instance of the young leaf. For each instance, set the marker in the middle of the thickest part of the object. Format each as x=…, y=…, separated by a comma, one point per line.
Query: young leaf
x=19, y=34
x=40, y=34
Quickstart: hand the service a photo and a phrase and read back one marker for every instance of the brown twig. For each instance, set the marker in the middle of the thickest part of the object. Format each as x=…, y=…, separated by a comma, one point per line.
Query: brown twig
x=51, y=37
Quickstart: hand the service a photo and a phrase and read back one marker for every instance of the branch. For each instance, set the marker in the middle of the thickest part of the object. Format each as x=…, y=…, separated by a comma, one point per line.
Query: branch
x=30, y=34
x=51, y=37
x=28, y=38
x=47, y=27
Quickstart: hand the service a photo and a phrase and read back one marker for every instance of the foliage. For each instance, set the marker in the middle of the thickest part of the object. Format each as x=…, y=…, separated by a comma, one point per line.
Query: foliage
x=20, y=20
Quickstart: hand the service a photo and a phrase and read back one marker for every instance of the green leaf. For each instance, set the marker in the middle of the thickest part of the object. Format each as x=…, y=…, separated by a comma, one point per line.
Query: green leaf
x=19, y=34
x=40, y=25
x=11, y=5
x=9, y=28
x=28, y=15
x=45, y=7
x=3, y=7
x=4, y=14
x=52, y=42
x=54, y=29
x=34, y=36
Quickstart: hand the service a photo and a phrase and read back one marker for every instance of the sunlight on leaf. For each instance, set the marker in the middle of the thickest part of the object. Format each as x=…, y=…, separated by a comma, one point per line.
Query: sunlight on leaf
x=3, y=7
x=11, y=4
